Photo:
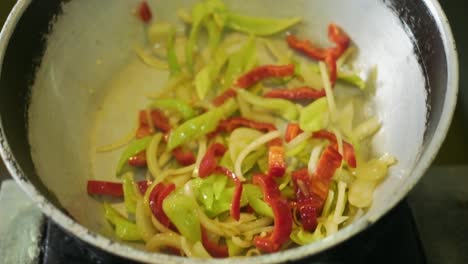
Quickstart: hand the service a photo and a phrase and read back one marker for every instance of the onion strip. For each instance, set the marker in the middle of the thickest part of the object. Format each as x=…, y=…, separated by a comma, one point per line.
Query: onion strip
x=160, y=227
x=159, y=241
x=314, y=157
x=328, y=90
x=173, y=172
x=201, y=153
x=298, y=140
x=241, y=243
x=118, y=143
x=262, y=222
x=143, y=222
x=151, y=154
x=251, y=147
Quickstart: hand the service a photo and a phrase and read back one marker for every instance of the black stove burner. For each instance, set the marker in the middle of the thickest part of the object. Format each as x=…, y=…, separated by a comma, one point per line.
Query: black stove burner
x=393, y=239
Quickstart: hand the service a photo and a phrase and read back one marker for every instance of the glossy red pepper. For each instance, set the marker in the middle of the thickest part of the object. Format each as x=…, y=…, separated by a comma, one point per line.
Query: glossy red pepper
x=235, y=204
x=105, y=188
x=139, y=160
x=208, y=164
x=114, y=189
x=263, y=72
x=300, y=93
x=231, y=124
x=144, y=12
x=326, y=167
x=216, y=250
x=330, y=60
x=306, y=47
x=309, y=210
x=282, y=215
x=292, y=131
x=156, y=199
x=144, y=128
x=340, y=38
x=160, y=121
x=311, y=192
x=143, y=186
x=329, y=55
x=335, y=34
x=276, y=162
x=308, y=205
x=229, y=93
x=348, y=149
x=184, y=157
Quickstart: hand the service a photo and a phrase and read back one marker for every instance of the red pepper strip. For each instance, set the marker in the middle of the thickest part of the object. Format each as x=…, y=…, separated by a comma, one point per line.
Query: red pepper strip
x=105, y=188
x=300, y=93
x=215, y=250
x=282, y=215
x=292, y=131
x=340, y=38
x=229, y=93
x=330, y=55
x=263, y=72
x=144, y=12
x=235, y=204
x=311, y=192
x=231, y=124
x=208, y=163
x=306, y=47
x=307, y=204
x=301, y=181
x=139, y=160
x=184, y=157
x=276, y=163
x=160, y=121
x=330, y=60
x=143, y=186
x=326, y=167
x=156, y=199
x=114, y=189
x=174, y=251
x=144, y=128
x=335, y=34
x=309, y=209
x=348, y=149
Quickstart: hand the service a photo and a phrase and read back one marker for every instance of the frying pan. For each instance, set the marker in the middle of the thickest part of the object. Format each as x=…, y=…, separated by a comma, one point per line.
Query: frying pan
x=70, y=81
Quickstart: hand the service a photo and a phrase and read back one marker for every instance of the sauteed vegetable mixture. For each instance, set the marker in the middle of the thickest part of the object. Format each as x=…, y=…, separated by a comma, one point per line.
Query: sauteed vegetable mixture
x=250, y=148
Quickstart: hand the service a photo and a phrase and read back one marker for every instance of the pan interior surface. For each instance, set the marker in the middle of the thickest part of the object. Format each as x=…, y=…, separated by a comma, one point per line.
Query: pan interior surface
x=90, y=85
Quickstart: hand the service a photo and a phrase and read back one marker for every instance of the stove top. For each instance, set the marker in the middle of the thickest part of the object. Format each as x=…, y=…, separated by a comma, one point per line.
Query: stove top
x=393, y=239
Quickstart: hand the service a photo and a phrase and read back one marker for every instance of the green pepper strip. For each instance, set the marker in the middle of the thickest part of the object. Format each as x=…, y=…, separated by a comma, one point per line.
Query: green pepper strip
x=198, y=14
x=284, y=108
x=200, y=125
x=182, y=211
x=130, y=198
x=174, y=67
x=214, y=35
x=124, y=229
x=240, y=62
x=205, y=78
x=257, y=25
x=351, y=78
x=134, y=148
x=314, y=117
x=179, y=106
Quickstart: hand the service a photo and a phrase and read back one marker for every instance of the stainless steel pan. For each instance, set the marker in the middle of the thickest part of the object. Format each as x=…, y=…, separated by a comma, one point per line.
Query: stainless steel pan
x=59, y=57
